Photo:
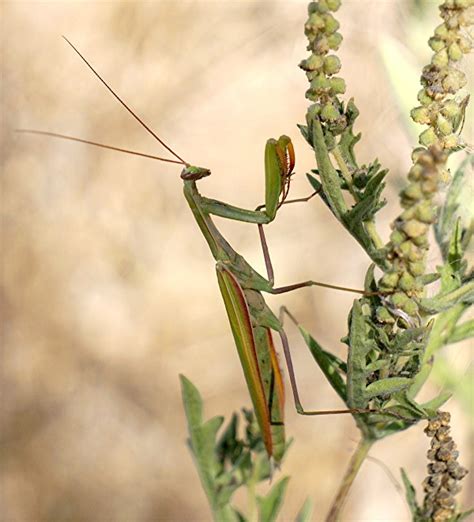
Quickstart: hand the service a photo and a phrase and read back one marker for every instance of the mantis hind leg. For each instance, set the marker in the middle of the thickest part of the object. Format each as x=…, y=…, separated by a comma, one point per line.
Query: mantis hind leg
x=291, y=373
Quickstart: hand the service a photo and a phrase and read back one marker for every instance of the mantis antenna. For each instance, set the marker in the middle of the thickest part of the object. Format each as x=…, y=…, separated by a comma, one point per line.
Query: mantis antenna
x=117, y=97
x=96, y=144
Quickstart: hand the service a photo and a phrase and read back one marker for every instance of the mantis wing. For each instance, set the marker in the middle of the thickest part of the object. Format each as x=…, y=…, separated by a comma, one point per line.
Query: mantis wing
x=273, y=387
x=245, y=341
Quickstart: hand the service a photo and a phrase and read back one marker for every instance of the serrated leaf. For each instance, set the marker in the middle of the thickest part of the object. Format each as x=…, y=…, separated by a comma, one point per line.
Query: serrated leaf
x=306, y=511
x=369, y=204
x=330, y=364
x=410, y=494
x=270, y=505
x=386, y=387
x=202, y=443
x=348, y=139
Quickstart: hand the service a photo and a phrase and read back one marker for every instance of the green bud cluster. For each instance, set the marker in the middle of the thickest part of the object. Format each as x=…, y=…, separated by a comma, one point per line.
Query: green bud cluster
x=409, y=238
x=321, y=29
x=441, y=79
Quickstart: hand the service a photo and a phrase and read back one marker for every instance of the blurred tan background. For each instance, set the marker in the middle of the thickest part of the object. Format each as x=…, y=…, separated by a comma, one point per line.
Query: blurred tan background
x=109, y=289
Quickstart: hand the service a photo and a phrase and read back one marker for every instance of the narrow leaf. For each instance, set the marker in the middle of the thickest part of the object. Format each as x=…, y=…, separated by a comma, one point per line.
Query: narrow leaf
x=270, y=505
x=306, y=511
x=330, y=364
x=441, y=302
x=410, y=494
x=450, y=209
x=455, y=251
x=438, y=401
x=328, y=174
x=461, y=332
x=192, y=402
x=386, y=387
x=356, y=364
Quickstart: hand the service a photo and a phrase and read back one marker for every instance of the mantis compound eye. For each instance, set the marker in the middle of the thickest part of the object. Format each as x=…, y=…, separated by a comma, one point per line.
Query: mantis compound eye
x=194, y=173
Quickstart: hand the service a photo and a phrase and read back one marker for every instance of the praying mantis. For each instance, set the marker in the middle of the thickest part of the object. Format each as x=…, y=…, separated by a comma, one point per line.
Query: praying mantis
x=241, y=286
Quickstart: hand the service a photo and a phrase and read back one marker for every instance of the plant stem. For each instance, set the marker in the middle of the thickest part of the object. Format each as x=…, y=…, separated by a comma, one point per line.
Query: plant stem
x=356, y=462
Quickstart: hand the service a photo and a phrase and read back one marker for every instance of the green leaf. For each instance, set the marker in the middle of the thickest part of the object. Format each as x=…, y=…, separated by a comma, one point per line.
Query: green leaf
x=438, y=401
x=356, y=361
x=317, y=187
x=305, y=133
x=369, y=204
x=330, y=364
x=455, y=251
x=304, y=514
x=446, y=300
x=461, y=332
x=386, y=387
x=405, y=337
x=329, y=177
x=202, y=443
x=410, y=405
x=348, y=139
x=453, y=206
x=192, y=402
x=370, y=284
x=270, y=505
x=410, y=494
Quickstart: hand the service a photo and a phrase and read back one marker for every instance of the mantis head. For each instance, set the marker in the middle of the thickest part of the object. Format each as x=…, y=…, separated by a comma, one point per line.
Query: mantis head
x=191, y=173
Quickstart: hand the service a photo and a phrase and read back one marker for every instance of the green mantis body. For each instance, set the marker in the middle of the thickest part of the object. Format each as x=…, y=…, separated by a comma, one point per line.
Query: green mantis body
x=250, y=318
